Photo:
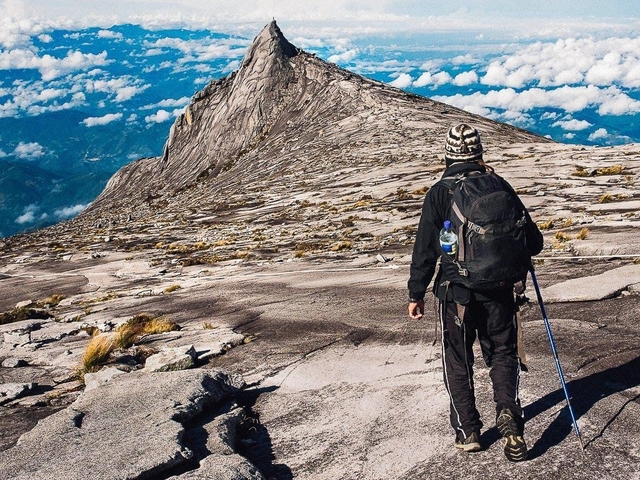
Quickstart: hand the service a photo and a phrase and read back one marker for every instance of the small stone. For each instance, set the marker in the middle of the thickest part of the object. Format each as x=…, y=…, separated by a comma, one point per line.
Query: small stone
x=12, y=362
x=24, y=304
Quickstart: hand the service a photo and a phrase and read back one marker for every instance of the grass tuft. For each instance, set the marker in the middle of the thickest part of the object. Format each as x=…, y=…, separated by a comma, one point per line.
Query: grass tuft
x=128, y=333
x=583, y=234
x=172, y=288
x=548, y=225
x=562, y=237
x=96, y=354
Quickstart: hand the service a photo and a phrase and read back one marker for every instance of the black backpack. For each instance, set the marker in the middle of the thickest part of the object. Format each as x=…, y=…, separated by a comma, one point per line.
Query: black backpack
x=490, y=222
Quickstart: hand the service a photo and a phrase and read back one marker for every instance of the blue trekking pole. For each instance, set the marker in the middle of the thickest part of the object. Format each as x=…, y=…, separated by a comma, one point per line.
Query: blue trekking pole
x=555, y=355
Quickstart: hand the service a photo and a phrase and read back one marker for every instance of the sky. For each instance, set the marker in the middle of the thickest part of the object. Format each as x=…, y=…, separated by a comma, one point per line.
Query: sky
x=569, y=70
x=339, y=15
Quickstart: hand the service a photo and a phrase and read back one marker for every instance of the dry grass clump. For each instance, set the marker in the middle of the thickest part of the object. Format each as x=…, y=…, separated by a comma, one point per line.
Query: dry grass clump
x=548, y=225
x=207, y=326
x=420, y=191
x=611, y=170
x=582, y=171
x=96, y=354
x=172, y=288
x=606, y=198
x=562, y=237
x=52, y=301
x=142, y=324
x=343, y=245
x=583, y=234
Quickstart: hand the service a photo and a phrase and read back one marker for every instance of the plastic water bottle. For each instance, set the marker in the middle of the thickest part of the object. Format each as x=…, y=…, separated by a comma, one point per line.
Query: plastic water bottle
x=448, y=239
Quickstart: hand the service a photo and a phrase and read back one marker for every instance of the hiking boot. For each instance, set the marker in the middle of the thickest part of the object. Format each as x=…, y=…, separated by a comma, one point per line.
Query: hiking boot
x=515, y=449
x=469, y=444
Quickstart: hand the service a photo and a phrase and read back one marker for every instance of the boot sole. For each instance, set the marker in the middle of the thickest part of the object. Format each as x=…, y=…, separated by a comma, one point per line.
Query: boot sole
x=469, y=447
x=515, y=448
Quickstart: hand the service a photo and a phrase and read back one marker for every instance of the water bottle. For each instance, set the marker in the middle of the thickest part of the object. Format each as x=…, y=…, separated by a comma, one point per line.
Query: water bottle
x=448, y=239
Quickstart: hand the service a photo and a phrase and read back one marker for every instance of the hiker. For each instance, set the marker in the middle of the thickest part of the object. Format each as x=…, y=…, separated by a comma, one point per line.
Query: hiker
x=475, y=284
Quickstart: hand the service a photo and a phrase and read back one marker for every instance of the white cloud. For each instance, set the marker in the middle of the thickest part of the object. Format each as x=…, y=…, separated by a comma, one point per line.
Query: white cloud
x=344, y=57
x=607, y=101
x=45, y=38
x=569, y=61
x=404, y=80
x=110, y=34
x=104, y=120
x=169, y=102
x=29, y=214
x=465, y=78
x=50, y=67
x=572, y=125
x=162, y=116
x=124, y=87
x=29, y=150
x=200, y=50
x=599, y=134
x=68, y=212
x=423, y=80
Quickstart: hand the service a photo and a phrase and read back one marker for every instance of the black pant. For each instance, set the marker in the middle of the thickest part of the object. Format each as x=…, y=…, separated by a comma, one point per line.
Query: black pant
x=493, y=322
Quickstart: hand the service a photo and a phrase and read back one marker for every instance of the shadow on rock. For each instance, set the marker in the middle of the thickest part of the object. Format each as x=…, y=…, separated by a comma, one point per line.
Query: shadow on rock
x=255, y=443
x=585, y=393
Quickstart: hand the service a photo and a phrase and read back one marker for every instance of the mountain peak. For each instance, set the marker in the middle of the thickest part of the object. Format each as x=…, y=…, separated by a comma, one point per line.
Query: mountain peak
x=269, y=42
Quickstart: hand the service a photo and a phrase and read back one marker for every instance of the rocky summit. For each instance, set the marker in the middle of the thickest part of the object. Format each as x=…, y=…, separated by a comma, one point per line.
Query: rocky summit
x=236, y=308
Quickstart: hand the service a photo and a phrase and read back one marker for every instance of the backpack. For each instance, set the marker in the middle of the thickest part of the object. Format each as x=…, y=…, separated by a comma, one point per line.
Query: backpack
x=489, y=220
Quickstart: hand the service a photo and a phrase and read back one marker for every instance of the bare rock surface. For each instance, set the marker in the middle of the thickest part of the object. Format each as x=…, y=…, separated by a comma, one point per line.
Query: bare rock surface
x=276, y=230
x=594, y=287
x=138, y=419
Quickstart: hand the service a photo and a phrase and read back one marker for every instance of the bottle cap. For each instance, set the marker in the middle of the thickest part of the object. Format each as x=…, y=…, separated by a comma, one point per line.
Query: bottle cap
x=447, y=224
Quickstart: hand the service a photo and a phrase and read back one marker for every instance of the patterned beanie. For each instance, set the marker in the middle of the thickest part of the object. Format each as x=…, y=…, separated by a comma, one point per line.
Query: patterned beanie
x=462, y=145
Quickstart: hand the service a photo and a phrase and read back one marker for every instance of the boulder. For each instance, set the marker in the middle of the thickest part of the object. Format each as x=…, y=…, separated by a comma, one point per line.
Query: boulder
x=171, y=359
x=11, y=391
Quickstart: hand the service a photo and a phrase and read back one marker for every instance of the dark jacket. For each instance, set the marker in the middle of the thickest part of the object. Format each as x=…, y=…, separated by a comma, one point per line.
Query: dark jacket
x=435, y=211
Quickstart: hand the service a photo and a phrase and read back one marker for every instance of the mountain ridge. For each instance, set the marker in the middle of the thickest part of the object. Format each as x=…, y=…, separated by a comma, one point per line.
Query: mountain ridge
x=278, y=94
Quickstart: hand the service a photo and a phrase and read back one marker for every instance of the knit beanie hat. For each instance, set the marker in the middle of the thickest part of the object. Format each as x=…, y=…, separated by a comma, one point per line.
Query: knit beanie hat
x=462, y=145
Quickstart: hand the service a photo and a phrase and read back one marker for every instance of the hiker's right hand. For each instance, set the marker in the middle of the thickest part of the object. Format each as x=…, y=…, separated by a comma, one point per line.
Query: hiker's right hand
x=416, y=310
